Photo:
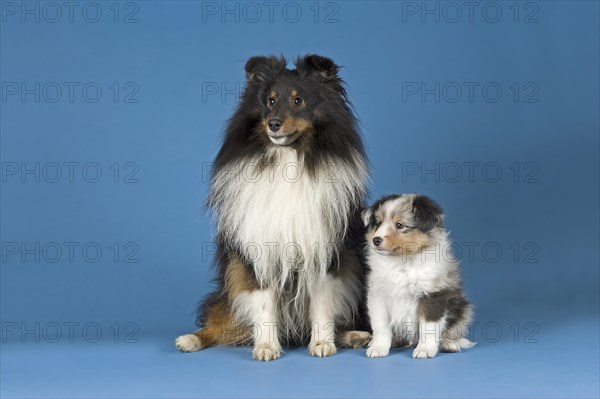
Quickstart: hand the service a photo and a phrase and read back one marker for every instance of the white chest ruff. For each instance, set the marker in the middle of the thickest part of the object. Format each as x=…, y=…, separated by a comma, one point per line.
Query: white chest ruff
x=282, y=219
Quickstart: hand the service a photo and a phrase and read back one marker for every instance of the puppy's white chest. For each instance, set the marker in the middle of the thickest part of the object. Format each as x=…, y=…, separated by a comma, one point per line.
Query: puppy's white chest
x=401, y=295
x=400, y=285
x=404, y=280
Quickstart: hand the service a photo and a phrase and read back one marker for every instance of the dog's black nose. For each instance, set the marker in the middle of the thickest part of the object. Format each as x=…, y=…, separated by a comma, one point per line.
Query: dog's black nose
x=274, y=124
x=377, y=241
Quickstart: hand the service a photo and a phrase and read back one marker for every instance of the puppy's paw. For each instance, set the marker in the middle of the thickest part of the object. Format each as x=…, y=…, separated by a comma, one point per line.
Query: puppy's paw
x=188, y=343
x=266, y=352
x=355, y=339
x=425, y=351
x=378, y=351
x=322, y=349
x=449, y=346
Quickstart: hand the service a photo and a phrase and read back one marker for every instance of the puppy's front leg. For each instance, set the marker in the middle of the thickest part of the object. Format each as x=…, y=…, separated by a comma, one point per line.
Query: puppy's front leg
x=430, y=335
x=381, y=324
x=322, y=315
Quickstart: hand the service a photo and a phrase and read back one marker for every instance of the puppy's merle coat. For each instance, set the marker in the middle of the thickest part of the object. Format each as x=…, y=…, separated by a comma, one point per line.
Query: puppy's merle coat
x=414, y=292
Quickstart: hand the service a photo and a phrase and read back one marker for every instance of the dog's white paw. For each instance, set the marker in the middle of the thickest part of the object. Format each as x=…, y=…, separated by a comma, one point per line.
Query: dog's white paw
x=449, y=346
x=424, y=351
x=378, y=351
x=322, y=349
x=188, y=343
x=266, y=352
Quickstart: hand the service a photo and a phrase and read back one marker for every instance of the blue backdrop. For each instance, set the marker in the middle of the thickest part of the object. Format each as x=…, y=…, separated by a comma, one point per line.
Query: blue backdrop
x=111, y=115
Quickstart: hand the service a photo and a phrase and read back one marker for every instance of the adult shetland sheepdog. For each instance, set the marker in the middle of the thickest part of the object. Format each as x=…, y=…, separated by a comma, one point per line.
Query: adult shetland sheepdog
x=287, y=189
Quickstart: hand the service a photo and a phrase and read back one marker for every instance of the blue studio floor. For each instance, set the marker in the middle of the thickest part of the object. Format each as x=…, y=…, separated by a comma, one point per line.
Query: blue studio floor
x=562, y=363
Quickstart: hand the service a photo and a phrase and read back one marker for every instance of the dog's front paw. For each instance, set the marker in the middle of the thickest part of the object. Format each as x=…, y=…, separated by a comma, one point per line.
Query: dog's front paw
x=378, y=351
x=425, y=351
x=266, y=352
x=322, y=349
x=188, y=343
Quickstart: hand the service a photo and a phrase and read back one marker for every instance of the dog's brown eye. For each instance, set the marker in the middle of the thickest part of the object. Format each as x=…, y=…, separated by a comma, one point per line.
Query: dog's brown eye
x=298, y=101
x=270, y=101
x=399, y=226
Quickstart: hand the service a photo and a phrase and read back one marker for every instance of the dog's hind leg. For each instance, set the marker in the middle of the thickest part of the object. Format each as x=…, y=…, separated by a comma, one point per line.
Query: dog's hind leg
x=220, y=328
x=454, y=338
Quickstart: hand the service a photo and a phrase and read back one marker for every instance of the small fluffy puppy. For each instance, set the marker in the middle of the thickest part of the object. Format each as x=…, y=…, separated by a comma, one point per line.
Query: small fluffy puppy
x=415, y=295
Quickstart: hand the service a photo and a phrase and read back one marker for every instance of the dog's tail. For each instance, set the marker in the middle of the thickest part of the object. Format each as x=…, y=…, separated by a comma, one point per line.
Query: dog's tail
x=465, y=343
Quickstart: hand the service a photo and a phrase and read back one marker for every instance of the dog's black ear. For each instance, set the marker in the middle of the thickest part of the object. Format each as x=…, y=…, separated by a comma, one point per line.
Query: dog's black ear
x=318, y=65
x=260, y=68
x=428, y=213
x=367, y=214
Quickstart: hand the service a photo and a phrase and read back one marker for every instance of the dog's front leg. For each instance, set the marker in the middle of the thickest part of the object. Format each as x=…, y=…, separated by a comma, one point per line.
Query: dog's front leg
x=382, y=331
x=322, y=315
x=430, y=336
x=259, y=308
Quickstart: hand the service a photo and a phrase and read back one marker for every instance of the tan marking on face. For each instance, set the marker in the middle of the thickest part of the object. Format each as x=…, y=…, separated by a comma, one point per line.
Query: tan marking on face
x=397, y=241
x=294, y=93
x=273, y=94
x=292, y=124
x=407, y=243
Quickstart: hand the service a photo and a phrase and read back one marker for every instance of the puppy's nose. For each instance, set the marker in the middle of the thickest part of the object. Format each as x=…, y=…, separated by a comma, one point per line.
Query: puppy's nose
x=274, y=124
x=377, y=241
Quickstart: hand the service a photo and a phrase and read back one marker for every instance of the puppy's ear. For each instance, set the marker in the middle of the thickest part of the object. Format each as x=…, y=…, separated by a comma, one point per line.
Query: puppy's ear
x=260, y=68
x=428, y=213
x=366, y=216
x=317, y=65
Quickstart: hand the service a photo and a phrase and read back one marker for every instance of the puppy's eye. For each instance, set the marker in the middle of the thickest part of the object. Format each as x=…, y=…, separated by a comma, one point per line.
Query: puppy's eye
x=298, y=101
x=399, y=226
x=270, y=101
